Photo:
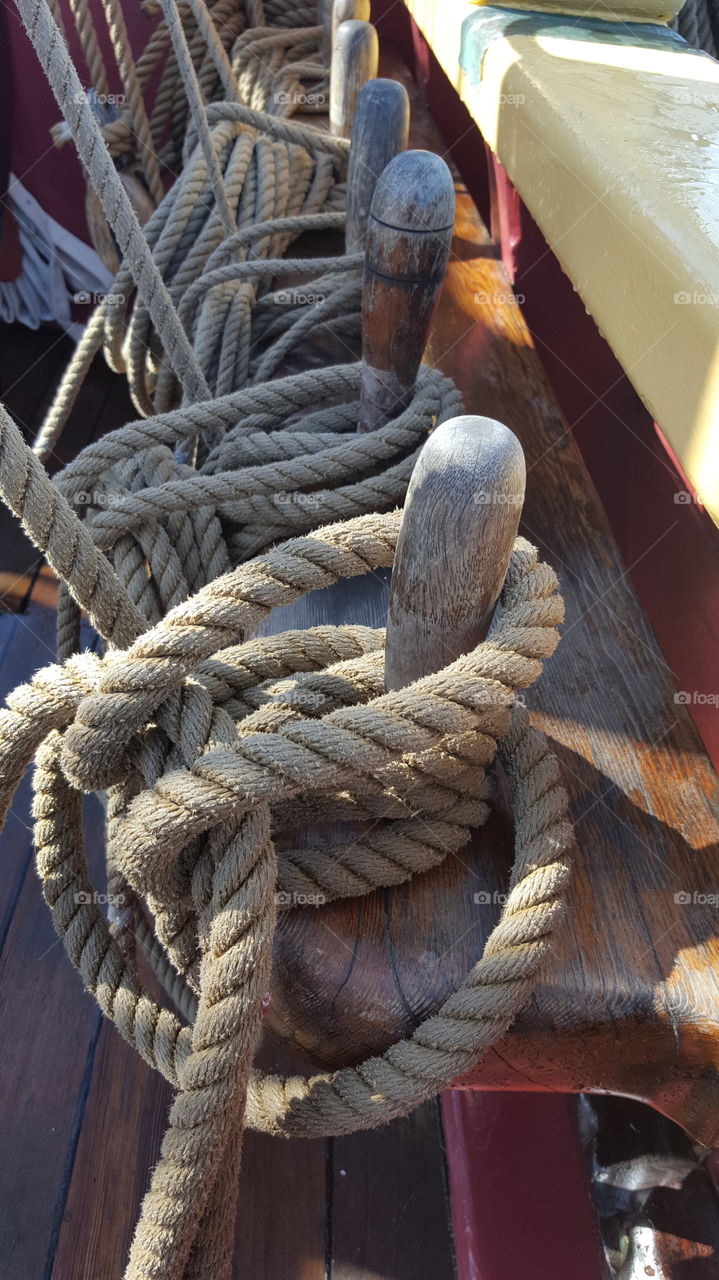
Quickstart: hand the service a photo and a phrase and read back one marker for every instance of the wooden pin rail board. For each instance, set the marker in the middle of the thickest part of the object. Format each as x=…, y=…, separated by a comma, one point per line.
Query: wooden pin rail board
x=644, y=797
x=645, y=803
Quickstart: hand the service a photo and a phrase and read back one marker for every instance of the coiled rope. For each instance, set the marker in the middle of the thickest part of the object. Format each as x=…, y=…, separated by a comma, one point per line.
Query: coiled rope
x=279, y=458
x=249, y=185
x=205, y=743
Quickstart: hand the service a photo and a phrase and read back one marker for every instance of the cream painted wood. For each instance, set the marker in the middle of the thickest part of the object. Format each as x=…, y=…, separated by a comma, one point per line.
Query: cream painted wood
x=615, y=150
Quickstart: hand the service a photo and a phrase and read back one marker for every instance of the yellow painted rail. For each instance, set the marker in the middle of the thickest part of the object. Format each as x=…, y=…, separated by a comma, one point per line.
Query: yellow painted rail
x=614, y=147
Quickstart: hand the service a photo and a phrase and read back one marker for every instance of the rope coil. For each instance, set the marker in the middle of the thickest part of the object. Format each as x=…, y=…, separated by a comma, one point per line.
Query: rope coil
x=206, y=741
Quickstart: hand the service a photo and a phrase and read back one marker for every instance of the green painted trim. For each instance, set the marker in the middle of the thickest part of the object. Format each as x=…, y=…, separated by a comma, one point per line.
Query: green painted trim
x=488, y=23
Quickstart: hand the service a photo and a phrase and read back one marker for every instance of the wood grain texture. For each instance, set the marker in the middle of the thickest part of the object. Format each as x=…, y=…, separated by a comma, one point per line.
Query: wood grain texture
x=408, y=237
x=80, y=1115
x=622, y=1004
x=50, y=1029
x=389, y=1196
x=355, y=53
x=124, y=1117
x=459, y=524
x=379, y=132
x=630, y=1000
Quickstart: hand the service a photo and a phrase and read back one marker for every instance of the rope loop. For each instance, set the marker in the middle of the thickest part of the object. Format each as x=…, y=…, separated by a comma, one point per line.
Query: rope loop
x=218, y=747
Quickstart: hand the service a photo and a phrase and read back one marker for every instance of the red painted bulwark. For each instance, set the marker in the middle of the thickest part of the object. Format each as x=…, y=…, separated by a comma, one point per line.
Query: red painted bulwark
x=669, y=544
x=520, y=1205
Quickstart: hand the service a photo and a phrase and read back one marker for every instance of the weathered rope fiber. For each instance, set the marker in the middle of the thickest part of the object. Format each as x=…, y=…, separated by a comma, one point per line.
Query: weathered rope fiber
x=284, y=458
x=281, y=457
x=216, y=747
x=280, y=181
x=276, y=190
x=238, y=51
x=52, y=52
x=232, y=760
x=698, y=23
x=246, y=174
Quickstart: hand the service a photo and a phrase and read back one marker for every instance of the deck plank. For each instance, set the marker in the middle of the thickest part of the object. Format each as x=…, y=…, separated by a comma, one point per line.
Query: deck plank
x=390, y=1205
x=50, y=1027
x=119, y=1142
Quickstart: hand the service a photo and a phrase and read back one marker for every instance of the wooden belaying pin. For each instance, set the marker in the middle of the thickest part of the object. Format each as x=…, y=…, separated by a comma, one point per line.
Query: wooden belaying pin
x=379, y=132
x=409, y=232
x=355, y=57
x=460, y=520
x=333, y=13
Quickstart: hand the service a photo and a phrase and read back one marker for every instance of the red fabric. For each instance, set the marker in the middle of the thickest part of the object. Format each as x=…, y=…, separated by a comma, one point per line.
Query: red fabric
x=54, y=177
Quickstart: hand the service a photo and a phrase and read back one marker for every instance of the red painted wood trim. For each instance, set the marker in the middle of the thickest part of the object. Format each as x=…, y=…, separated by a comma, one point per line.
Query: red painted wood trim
x=518, y=1189
x=456, y=125
x=669, y=544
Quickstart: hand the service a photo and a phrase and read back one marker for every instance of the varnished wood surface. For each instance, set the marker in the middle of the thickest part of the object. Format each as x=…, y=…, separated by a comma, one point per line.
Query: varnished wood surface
x=630, y=1001
x=355, y=51
x=379, y=132
x=409, y=231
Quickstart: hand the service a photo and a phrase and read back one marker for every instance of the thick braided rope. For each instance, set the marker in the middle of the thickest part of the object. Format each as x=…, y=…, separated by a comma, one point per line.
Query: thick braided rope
x=698, y=23
x=279, y=191
x=217, y=28
x=287, y=459
x=421, y=743
x=122, y=49
x=194, y=97
x=54, y=528
x=213, y=1069
x=294, y=174
x=85, y=26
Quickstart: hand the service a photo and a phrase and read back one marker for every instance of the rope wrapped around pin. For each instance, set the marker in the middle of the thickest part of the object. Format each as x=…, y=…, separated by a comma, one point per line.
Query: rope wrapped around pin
x=210, y=753
x=217, y=265
x=286, y=459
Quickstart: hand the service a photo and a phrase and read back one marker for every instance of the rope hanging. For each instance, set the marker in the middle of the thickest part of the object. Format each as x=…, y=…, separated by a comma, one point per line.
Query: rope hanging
x=267, y=56
x=249, y=185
